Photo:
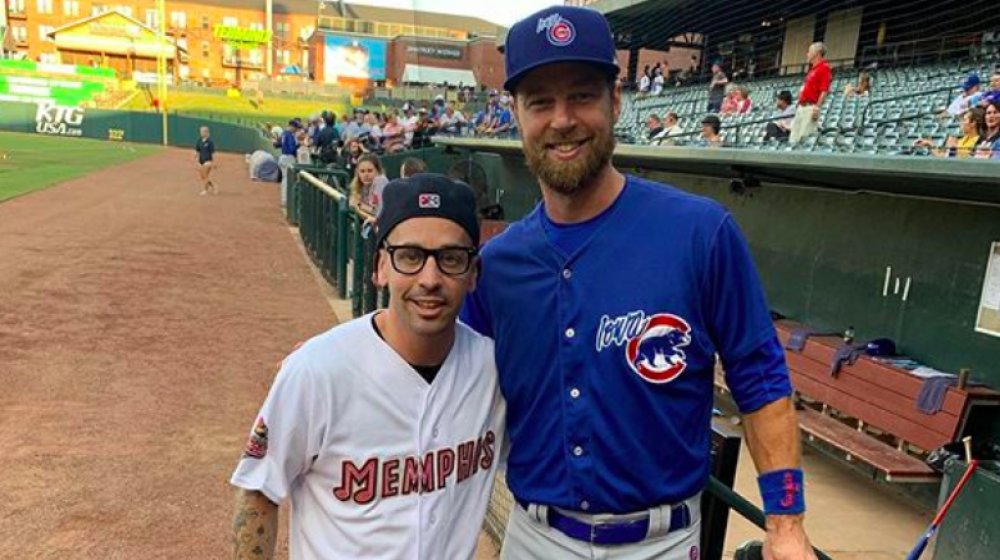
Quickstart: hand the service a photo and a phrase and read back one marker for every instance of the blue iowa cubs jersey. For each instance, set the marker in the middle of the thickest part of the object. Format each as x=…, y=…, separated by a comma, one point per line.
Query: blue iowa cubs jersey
x=606, y=357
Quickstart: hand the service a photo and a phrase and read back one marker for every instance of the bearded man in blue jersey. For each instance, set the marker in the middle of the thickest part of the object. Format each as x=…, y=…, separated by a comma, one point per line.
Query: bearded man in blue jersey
x=609, y=304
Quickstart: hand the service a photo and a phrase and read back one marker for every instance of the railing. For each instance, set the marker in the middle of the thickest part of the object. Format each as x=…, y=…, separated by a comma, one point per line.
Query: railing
x=924, y=51
x=335, y=235
x=881, y=100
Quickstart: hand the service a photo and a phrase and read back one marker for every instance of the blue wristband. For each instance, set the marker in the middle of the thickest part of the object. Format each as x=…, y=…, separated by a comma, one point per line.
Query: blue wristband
x=783, y=492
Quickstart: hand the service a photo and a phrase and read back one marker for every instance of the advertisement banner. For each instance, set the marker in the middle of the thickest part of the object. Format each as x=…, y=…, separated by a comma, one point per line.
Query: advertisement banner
x=434, y=50
x=59, y=120
x=353, y=58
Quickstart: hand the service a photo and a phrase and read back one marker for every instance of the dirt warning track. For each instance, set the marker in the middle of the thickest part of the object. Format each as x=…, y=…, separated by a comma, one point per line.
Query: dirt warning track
x=140, y=325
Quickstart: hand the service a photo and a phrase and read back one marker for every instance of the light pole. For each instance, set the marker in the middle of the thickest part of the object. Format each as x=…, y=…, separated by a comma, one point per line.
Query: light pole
x=161, y=64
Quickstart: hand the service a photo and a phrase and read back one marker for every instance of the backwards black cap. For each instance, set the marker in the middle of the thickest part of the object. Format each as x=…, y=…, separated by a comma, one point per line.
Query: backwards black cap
x=427, y=195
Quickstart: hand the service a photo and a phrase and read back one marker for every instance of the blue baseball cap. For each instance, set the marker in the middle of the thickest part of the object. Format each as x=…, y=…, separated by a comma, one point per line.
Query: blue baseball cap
x=558, y=34
x=970, y=82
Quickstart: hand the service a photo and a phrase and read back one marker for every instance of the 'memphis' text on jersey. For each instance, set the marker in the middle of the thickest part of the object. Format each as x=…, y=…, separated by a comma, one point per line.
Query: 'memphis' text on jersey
x=386, y=478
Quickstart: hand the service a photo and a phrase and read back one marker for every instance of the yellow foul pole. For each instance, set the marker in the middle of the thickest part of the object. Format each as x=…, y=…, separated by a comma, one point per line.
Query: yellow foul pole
x=161, y=64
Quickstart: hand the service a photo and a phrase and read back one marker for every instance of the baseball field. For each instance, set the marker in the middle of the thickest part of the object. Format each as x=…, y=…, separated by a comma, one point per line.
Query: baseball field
x=140, y=325
x=140, y=328
x=30, y=162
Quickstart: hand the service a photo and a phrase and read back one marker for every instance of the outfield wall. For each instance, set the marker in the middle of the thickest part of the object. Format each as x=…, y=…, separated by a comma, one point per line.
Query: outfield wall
x=834, y=236
x=126, y=126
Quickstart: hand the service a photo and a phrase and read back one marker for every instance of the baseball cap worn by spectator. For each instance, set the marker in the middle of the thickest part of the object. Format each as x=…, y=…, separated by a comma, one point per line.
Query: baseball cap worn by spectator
x=559, y=34
x=427, y=195
x=971, y=81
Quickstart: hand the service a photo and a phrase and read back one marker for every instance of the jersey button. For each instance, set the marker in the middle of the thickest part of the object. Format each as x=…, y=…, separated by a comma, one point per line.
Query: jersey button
x=567, y=273
x=570, y=333
x=574, y=392
x=435, y=432
x=577, y=451
x=585, y=505
x=433, y=519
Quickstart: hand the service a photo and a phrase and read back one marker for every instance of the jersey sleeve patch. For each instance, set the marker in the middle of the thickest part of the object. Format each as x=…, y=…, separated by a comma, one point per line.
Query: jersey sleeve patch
x=256, y=447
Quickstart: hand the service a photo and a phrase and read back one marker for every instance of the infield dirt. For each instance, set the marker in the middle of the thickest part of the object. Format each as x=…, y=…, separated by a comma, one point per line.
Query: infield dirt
x=140, y=326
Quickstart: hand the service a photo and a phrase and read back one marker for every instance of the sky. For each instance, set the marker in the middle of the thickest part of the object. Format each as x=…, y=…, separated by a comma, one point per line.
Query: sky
x=504, y=12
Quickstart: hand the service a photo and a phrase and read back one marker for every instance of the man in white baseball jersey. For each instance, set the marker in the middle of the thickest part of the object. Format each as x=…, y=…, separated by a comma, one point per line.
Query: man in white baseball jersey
x=385, y=431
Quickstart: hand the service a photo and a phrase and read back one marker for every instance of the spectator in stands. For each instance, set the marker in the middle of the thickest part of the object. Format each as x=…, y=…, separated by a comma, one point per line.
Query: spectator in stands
x=973, y=122
x=364, y=127
x=989, y=141
x=289, y=146
x=303, y=155
x=350, y=156
x=737, y=101
x=728, y=106
x=426, y=127
x=312, y=129
x=412, y=166
x=503, y=119
x=373, y=128
x=288, y=142
x=781, y=128
x=654, y=126
x=274, y=133
x=351, y=128
x=409, y=123
x=863, y=86
x=393, y=135
x=672, y=125
x=645, y=80
x=662, y=134
x=368, y=183
x=710, y=128
x=452, y=121
x=970, y=86
x=437, y=109
x=982, y=98
x=328, y=137
x=657, y=87
x=743, y=102
x=814, y=91
x=717, y=88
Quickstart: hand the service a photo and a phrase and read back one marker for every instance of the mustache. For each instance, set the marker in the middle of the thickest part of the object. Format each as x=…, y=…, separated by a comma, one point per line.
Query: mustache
x=562, y=139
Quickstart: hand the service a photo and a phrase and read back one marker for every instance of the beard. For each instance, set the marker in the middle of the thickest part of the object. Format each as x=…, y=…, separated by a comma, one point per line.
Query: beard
x=569, y=177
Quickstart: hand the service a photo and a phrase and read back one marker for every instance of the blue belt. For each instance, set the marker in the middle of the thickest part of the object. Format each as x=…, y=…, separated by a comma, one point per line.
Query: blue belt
x=622, y=532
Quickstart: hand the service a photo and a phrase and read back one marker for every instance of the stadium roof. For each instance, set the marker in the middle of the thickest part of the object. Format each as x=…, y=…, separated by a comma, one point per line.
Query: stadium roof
x=373, y=13
x=657, y=23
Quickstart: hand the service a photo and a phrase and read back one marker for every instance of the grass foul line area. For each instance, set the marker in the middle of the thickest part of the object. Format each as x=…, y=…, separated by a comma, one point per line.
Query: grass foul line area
x=29, y=162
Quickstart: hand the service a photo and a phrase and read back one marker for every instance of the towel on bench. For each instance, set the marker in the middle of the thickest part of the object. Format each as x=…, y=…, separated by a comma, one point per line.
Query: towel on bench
x=847, y=354
x=932, y=393
x=797, y=340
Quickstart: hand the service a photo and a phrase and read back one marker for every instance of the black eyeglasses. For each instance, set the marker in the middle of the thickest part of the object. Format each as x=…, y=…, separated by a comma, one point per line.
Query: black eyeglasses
x=410, y=259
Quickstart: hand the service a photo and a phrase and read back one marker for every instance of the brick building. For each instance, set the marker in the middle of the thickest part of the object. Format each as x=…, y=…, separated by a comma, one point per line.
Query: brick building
x=84, y=32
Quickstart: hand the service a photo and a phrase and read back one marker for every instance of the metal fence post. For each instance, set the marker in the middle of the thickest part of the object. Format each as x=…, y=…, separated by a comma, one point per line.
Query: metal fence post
x=371, y=292
x=342, y=250
x=357, y=282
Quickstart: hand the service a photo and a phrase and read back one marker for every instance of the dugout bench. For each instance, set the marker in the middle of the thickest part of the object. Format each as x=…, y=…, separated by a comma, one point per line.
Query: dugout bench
x=868, y=411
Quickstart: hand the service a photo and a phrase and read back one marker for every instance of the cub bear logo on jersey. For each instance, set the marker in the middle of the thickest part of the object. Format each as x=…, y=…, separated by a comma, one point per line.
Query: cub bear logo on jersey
x=653, y=345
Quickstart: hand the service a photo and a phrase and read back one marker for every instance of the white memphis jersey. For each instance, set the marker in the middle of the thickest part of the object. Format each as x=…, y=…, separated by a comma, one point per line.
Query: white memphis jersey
x=377, y=462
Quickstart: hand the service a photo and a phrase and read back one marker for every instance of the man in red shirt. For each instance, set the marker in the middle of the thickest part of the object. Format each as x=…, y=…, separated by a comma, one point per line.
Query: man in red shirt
x=814, y=91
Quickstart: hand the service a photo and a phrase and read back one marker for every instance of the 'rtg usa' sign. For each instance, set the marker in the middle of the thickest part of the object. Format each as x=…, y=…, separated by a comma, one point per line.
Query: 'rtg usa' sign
x=59, y=120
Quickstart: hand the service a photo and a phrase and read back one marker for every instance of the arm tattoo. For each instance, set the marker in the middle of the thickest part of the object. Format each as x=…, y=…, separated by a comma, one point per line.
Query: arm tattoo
x=255, y=526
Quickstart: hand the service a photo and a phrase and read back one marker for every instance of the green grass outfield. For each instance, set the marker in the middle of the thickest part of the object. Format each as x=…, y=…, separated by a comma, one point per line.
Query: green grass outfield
x=29, y=162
